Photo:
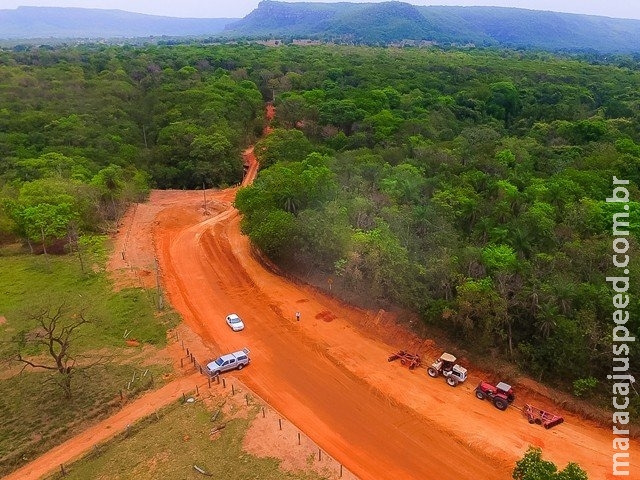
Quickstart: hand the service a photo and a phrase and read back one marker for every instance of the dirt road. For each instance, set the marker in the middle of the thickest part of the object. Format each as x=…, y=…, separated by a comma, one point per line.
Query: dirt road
x=328, y=372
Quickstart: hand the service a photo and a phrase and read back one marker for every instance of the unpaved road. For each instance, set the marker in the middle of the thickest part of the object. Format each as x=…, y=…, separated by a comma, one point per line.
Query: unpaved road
x=328, y=373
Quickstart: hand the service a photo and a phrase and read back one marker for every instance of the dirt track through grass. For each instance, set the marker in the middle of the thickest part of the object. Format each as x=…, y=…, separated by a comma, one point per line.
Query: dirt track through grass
x=201, y=433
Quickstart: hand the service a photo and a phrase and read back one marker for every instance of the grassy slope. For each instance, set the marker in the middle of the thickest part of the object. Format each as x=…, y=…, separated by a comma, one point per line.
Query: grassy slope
x=169, y=444
x=35, y=415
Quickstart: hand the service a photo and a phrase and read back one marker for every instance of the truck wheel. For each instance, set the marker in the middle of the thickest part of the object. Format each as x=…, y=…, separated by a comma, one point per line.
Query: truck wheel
x=452, y=381
x=240, y=366
x=433, y=373
x=500, y=404
x=480, y=394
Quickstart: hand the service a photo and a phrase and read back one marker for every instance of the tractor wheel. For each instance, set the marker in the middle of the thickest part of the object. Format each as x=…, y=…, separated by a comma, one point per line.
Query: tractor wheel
x=240, y=367
x=500, y=403
x=480, y=394
x=452, y=381
x=433, y=373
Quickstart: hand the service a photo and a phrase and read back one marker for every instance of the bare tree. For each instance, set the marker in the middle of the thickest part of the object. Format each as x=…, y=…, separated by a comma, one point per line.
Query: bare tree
x=56, y=332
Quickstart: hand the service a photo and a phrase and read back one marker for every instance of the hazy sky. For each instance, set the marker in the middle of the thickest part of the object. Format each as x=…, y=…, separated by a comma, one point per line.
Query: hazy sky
x=240, y=8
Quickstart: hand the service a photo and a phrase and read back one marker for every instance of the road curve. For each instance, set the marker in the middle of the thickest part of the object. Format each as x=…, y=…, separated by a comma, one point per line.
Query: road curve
x=208, y=272
x=328, y=373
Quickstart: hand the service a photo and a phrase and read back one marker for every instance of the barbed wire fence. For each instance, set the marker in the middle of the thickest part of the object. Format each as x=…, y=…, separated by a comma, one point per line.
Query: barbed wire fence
x=310, y=453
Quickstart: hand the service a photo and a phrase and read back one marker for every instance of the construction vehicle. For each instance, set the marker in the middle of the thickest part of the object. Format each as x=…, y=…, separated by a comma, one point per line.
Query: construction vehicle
x=501, y=394
x=541, y=417
x=411, y=360
x=447, y=367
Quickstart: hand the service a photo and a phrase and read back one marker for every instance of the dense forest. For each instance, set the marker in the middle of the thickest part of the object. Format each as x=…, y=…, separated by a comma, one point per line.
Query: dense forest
x=467, y=186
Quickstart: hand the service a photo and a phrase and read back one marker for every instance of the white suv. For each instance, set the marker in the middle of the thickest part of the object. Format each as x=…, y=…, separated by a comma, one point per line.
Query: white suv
x=230, y=361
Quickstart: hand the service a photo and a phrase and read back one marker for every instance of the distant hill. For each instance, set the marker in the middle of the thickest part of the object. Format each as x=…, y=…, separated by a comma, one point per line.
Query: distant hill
x=356, y=22
x=516, y=27
x=54, y=22
x=397, y=21
x=370, y=23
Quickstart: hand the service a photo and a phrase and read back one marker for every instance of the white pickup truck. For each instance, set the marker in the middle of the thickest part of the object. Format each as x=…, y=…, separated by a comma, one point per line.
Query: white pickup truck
x=230, y=361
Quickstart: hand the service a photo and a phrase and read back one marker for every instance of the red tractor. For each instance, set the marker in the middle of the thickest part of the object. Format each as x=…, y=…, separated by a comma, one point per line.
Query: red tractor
x=501, y=394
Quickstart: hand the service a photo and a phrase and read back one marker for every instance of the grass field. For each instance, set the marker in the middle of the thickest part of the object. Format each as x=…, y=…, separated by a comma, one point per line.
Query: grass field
x=169, y=444
x=35, y=414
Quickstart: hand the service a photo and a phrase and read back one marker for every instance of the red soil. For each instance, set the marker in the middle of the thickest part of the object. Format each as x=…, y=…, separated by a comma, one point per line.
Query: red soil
x=328, y=373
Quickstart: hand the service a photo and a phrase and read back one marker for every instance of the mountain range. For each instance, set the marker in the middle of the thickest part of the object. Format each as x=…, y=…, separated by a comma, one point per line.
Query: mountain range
x=367, y=23
x=91, y=23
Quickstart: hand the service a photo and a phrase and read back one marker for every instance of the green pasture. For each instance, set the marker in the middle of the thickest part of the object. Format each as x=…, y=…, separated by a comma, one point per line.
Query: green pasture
x=35, y=413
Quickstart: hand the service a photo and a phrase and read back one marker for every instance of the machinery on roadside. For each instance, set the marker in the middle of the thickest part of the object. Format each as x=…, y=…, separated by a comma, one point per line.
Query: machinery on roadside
x=447, y=367
x=411, y=360
x=541, y=417
x=501, y=394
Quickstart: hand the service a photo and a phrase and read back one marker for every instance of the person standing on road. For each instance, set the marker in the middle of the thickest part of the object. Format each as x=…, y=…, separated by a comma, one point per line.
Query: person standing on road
x=298, y=316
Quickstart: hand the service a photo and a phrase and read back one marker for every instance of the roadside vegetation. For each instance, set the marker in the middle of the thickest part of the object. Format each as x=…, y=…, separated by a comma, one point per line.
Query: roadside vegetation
x=171, y=442
x=41, y=407
x=532, y=467
x=467, y=186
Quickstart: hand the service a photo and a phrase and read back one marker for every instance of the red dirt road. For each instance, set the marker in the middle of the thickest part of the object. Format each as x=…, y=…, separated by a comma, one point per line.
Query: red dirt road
x=328, y=373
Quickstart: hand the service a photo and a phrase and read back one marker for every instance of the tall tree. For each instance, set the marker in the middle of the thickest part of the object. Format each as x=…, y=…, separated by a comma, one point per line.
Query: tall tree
x=56, y=333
